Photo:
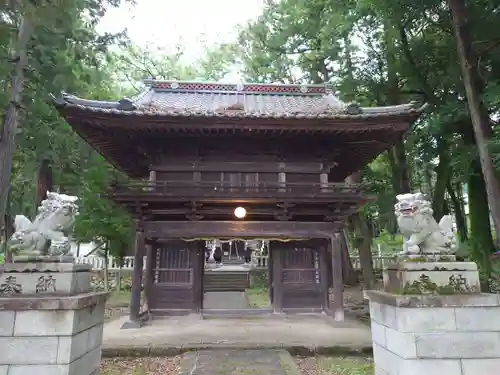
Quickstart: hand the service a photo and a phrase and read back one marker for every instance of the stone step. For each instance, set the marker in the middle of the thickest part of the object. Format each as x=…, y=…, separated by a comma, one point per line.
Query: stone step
x=211, y=362
x=225, y=281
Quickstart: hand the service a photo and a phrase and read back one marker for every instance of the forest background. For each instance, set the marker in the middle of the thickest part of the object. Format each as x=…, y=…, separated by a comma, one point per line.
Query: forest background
x=374, y=52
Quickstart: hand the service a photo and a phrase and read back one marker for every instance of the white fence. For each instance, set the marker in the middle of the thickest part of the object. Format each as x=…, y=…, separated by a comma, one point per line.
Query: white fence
x=260, y=261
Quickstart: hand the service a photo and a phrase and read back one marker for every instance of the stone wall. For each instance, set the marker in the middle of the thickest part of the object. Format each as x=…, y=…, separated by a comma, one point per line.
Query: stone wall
x=51, y=341
x=50, y=321
x=435, y=335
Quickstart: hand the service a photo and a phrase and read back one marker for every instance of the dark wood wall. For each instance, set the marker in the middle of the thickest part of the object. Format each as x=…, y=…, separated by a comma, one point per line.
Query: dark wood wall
x=176, y=276
x=239, y=173
x=299, y=274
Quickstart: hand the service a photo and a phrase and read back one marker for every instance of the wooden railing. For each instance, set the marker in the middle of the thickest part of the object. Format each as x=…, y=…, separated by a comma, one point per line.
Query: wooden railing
x=217, y=188
x=260, y=261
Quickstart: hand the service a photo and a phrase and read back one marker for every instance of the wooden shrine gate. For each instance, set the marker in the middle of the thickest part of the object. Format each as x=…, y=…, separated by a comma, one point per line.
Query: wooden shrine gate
x=176, y=276
x=299, y=275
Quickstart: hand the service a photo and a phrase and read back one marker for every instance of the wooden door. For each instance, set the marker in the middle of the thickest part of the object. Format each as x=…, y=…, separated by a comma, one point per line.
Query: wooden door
x=298, y=274
x=176, y=276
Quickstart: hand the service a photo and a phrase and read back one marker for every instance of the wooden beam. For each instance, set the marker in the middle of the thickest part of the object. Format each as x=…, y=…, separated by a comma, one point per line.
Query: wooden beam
x=251, y=229
x=236, y=166
x=338, y=282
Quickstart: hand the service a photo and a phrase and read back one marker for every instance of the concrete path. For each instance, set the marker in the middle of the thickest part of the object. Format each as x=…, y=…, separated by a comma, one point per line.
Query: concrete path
x=275, y=331
x=225, y=300
x=224, y=362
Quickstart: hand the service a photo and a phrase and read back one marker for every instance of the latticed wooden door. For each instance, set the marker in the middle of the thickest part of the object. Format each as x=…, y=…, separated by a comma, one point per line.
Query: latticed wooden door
x=302, y=276
x=175, y=276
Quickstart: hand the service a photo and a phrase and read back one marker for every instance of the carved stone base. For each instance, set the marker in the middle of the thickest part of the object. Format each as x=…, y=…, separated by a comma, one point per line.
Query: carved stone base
x=50, y=322
x=31, y=277
x=432, y=278
x=43, y=259
x=435, y=335
x=51, y=335
x=428, y=257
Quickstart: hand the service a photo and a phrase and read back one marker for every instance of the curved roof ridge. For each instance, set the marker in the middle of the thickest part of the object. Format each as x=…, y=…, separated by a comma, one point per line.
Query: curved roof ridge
x=265, y=104
x=150, y=81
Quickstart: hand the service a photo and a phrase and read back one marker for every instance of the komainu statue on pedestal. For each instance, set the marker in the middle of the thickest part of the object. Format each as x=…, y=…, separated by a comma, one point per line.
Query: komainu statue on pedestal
x=424, y=237
x=48, y=233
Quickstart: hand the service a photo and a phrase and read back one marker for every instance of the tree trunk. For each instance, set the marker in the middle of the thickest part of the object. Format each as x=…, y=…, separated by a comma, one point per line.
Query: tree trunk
x=7, y=233
x=478, y=112
x=11, y=122
x=363, y=233
x=349, y=274
x=481, y=244
x=44, y=181
x=459, y=213
x=365, y=249
x=442, y=177
x=105, y=277
x=348, y=271
x=403, y=176
x=399, y=163
x=481, y=239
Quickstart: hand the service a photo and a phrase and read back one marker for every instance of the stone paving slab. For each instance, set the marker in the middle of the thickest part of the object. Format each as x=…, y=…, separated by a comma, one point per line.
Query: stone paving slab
x=300, y=334
x=238, y=362
x=225, y=300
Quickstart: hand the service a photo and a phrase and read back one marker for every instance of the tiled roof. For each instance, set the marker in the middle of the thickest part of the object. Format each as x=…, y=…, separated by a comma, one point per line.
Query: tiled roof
x=206, y=99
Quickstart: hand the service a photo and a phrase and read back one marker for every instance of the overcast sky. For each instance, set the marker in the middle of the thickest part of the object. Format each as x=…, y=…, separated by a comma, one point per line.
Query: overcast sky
x=192, y=23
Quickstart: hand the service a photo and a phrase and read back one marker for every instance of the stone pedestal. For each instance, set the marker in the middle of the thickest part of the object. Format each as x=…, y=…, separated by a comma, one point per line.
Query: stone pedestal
x=444, y=327
x=50, y=322
x=431, y=277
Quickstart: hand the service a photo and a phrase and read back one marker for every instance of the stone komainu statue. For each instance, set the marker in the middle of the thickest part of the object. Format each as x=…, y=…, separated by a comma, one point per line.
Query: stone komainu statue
x=48, y=233
x=424, y=236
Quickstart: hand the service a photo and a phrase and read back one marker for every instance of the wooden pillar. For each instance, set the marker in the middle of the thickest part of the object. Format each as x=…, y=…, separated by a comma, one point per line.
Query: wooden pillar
x=338, y=283
x=324, y=274
x=277, y=276
x=152, y=179
x=282, y=178
x=323, y=178
x=135, y=298
x=199, y=269
x=148, y=284
x=270, y=275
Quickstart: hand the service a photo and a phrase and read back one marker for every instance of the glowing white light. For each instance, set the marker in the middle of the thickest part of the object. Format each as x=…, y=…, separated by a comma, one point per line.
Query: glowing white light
x=240, y=212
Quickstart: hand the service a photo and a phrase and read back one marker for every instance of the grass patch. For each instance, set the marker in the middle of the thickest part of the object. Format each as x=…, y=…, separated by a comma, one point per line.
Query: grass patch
x=345, y=366
x=119, y=299
x=258, y=298
x=336, y=366
x=117, y=305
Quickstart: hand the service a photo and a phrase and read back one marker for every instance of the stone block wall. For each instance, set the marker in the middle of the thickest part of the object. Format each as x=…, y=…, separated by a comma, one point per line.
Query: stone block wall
x=50, y=321
x=435, y=335
x=49, y=341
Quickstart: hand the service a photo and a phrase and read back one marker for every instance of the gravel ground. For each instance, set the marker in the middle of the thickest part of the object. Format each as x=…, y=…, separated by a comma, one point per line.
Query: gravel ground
x=335, y=366
x=141, y=366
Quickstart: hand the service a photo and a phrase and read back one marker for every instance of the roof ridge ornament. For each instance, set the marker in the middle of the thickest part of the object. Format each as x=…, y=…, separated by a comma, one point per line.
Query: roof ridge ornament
x=353, y=108
x=148, y=81
x=240, y=85
x=329, y=89
x=126, y=104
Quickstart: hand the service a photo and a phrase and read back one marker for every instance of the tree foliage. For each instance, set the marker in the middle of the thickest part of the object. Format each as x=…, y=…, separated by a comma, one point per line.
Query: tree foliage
x=375, y=52
x=386, y=52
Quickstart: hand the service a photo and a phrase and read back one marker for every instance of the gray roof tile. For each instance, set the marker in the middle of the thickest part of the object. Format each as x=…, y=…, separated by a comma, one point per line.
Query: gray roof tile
x=173, y=98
